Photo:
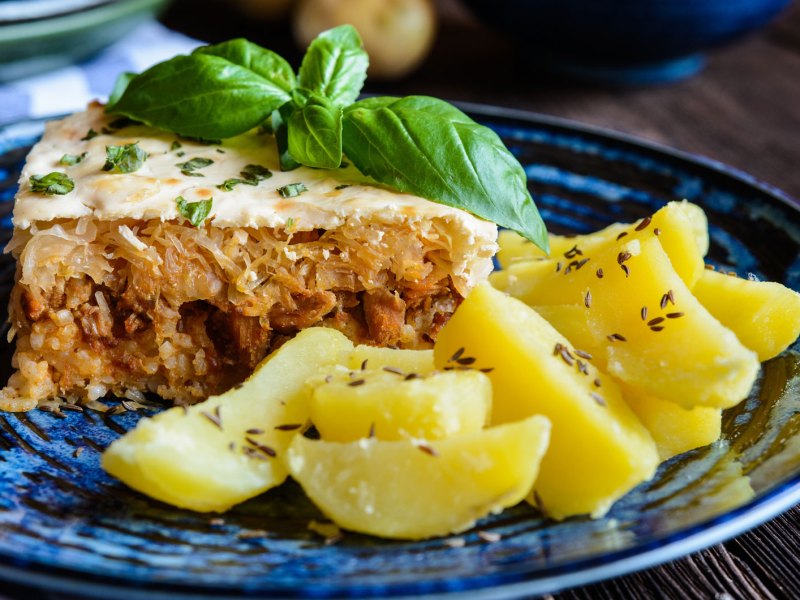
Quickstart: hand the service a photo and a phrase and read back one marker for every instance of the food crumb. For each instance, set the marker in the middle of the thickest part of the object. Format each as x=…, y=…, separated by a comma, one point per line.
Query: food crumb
x=489, y=537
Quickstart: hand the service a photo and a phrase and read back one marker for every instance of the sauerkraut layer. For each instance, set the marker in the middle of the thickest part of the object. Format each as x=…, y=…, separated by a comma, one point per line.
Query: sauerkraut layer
x=128, y=306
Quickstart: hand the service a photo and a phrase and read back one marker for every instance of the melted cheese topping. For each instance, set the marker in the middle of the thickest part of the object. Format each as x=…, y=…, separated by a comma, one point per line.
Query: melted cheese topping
x=151, y=191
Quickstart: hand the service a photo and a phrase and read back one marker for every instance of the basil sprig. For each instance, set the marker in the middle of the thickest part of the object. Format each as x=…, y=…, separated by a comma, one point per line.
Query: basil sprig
x=418, y=144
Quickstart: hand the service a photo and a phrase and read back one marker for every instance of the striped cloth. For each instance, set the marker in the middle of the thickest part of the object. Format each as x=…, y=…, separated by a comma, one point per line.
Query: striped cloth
x=69, y=89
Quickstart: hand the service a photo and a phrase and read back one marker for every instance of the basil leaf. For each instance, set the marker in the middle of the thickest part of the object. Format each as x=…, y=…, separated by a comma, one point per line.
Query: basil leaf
x=263, y=62
x=69, y=160
x=124, y=159
x=91, y=134
x=335, y=65
x=54, y=183
x=251, y=175
x=255, y=173
x=281, y=130
x=194, y=212
x=428, y=147
x=120, y=85
x=190, y=167
x=315, y=134
x=215, y=92
x=290, y=190
x=229, y=184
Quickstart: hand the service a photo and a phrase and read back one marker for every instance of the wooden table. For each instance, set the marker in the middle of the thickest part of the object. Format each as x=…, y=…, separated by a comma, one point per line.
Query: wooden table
x=744, y=110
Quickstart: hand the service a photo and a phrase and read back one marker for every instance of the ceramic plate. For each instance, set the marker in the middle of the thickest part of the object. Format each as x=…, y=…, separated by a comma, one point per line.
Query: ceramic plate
x=67, y=526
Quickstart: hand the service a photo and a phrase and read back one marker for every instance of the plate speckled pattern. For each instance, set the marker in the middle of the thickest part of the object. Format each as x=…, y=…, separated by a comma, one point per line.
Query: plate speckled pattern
x=65, y=525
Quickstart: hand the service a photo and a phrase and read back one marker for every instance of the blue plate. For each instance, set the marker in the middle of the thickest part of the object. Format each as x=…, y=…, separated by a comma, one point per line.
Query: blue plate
x=67, y=526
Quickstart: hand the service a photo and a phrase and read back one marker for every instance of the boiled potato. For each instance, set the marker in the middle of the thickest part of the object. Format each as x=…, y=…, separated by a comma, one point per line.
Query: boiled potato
x=408, y=361
x=764, y=315
x=350, y=405
x=599, y=450
x=227, y=449
x=675, y=429
x=682, y=230
x=397, y=34
x=413, y=490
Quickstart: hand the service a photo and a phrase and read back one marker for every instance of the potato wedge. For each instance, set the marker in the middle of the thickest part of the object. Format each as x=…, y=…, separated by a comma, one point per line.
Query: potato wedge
x=599, y=450
x=389, y=406
x=227, y=449
x=772, y=321
x=414, y=490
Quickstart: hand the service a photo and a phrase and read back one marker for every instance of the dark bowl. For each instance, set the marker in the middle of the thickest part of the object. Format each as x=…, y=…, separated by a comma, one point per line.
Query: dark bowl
x=627, y=41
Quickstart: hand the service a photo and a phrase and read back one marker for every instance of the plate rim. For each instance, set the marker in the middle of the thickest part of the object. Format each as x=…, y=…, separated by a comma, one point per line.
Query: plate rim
x=676, y=545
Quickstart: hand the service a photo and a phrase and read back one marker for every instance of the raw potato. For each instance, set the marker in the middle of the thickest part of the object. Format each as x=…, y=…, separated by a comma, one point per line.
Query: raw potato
x=683, y=233
x=397, y=34
x=599, y=450
x=183, y=458
x=390, y=407
x=414, y=490
x=764, y=315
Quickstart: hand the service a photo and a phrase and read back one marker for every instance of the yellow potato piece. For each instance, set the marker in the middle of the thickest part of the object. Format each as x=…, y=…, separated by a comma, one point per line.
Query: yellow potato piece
x=764, y=315
x=599, y=450
x=682, y=231
x=183, y=457
x=675, y=429
x=414, y=490
x=391, y=407
x=673, y=348
x=408, y=361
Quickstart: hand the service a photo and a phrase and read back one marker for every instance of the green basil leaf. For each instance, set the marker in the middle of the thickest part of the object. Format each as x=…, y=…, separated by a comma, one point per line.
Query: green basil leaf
x=250, y=175
x=52, y=184
x=255, y=173
x=335, y=65
x=265, y=63
x=190, y=167
x=69, y=160
x=427, y=147
x=229, y=184
x=315, y=134
x=124, y=159
x=120, y=85
x=290, y=190
x=194, y=212
x=215, y=92
x=281, y=131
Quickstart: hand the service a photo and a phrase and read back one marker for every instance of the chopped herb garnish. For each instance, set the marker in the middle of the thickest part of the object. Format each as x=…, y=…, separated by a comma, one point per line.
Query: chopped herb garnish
x=194, y=212
x=69, y=160
x=181, y=153
x=190, y=167
x=124, y=159
x=229, y=184
x=342, y=186
x=291, y=190
x=220, y=150
x=52, y=184
x=89, y=135
x=256, y=173
x=175, y=146
x=250, y=175
x=290, y=223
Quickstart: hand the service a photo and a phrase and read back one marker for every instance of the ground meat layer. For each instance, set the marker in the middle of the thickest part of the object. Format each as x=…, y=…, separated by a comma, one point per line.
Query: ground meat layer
x=130, y=307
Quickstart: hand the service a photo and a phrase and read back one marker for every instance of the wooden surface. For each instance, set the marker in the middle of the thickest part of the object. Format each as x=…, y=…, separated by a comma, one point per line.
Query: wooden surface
x=744, y=110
